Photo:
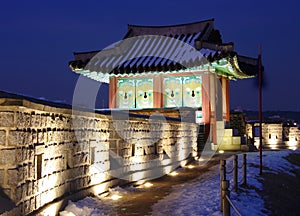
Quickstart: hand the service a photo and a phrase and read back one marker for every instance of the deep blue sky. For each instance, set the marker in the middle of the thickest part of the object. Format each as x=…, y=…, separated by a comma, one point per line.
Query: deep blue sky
x=38, y=38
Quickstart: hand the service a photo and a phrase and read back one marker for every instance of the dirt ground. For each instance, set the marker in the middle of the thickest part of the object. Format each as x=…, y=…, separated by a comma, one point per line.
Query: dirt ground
x=282, y=192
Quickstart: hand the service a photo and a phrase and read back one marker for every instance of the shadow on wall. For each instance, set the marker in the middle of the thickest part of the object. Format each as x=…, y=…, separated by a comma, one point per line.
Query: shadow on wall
x=6, y=203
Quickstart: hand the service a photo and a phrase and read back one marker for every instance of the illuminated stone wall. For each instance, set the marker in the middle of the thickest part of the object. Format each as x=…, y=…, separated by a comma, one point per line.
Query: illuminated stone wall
x=275, y=135
x=42, y=159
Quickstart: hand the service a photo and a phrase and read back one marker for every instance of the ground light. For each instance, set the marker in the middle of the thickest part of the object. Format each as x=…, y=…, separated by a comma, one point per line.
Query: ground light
x=115, y=197
x=148, y=184
x=183, y=163
x=174, y=173
x=140, y=182
x=190, y=166
x=221, y=151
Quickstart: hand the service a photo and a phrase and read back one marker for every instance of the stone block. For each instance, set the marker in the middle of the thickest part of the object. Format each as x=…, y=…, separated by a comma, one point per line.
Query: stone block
x=19, y=194
x=236, y=140
x=23, y=120
x=226, y=140
x=19, y=155
x=227, y=132
x=26, y=207
x=36, y=120
x=41, y=137
x=2, y=172
x=6, y=119
x=29, y=188
x=2, y=137
x=7, y=156
x=32, y=204
x=12, y=177
x=38, y=201
x=16, y=138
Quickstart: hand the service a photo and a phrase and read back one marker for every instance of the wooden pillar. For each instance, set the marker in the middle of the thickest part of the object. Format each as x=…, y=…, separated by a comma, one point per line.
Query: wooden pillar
x=112, y=92
x=225, y=97
x=212, y=83
x=206, y=104
x=227, y=100
x=205, y=99
x=158, y=91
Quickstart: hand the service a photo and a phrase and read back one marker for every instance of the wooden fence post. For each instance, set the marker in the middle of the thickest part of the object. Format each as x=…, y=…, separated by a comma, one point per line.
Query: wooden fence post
x=225, y=193
x=235, y=173
x=244, y=169
x=222, y=177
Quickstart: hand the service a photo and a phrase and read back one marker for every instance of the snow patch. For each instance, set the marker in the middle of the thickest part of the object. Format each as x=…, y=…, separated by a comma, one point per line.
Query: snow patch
x=201, y=196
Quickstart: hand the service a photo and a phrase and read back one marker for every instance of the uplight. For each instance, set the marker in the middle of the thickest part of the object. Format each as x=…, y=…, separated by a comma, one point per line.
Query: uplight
x=140, y=182
x=173, y=173
x=115, y=197
x=148, y=184
x=183, y=163
x=190, y=166
x=221, y=151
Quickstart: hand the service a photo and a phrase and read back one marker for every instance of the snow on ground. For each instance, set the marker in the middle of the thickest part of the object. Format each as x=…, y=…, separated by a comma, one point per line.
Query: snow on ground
x=201, y=196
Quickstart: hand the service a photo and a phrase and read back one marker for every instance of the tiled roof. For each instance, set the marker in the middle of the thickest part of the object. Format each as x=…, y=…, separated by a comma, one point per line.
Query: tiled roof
x=158, y=49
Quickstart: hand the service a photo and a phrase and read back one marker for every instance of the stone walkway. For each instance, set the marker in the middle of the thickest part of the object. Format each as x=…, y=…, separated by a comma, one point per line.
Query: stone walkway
x=139, y=202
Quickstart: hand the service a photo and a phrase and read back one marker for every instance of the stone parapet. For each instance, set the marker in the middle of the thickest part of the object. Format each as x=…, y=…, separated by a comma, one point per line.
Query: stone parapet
x=46, y=153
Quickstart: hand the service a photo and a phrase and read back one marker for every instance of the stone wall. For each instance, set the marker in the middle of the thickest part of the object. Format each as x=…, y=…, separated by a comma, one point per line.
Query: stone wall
x=275, y=135
x=45, y=154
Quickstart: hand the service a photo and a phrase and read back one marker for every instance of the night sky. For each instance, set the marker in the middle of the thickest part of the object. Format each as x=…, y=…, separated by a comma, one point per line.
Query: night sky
x=38, y=38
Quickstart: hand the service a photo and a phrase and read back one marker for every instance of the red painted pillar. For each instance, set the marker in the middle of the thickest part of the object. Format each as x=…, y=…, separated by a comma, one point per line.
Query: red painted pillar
x=158, y=91
x=112, y=92
x=225, y=97
x=213, y=115
x=227, y=100
x=206, y=104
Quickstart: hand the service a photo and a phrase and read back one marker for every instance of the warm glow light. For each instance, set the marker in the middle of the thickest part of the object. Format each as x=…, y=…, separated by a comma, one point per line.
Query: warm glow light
x=183, y=163
x=201, y=159
x=221, y=151
x=273, y=140
x=190, y=166
x=115, y=197
x=292, y=144
x=173, y=173
x=274, y=147
x=140, y=182
x=148, y=184
x=196, y=158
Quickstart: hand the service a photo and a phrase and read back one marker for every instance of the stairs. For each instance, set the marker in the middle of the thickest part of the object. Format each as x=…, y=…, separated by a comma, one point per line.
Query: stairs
x=225, y=139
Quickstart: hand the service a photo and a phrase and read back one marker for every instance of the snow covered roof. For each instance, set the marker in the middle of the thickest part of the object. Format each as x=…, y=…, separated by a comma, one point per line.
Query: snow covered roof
x=159, y=49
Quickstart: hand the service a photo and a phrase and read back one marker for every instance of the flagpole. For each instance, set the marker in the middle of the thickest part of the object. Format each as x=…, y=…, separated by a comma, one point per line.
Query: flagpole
x=260, y=109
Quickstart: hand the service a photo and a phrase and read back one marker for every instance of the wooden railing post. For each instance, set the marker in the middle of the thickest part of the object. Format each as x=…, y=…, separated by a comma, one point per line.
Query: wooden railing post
x=222, y=177
x=244, y=169
x=235, y=173
x=225, y=194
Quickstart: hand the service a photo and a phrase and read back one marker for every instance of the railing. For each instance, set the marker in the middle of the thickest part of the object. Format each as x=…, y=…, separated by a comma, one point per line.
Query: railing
x=224, y=183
